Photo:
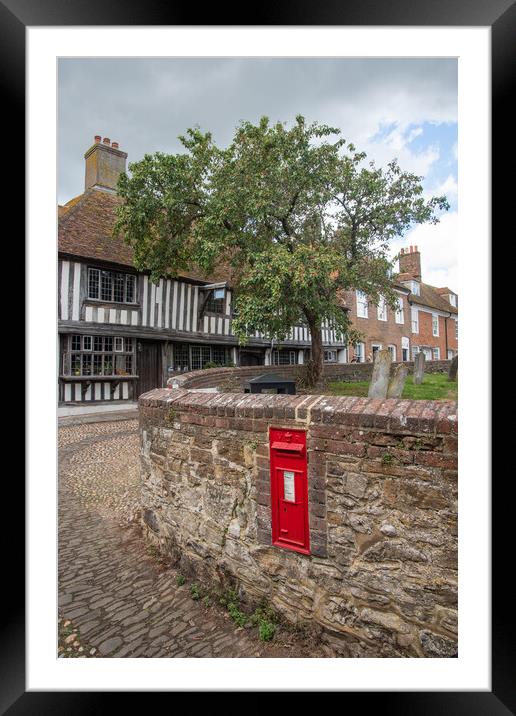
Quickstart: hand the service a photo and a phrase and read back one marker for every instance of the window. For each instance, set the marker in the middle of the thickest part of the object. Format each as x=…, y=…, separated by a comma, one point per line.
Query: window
x=200, y=356
x=382, y=309
x=414, y=287
x=436, y=353
x=449, y=354
x=111, y=286
x=399, y=317
x=457, y=329
x=453, y=299
x=215, y=303
x=362, y=305
x=359, y=352
x=415, y=351
x=415, y=320
x=181, y=357
x=219, y=355
x=330, y=356
x=405, y=345
x=392, y=351
x=93, y=355
x=435, y=325
x=284, y=357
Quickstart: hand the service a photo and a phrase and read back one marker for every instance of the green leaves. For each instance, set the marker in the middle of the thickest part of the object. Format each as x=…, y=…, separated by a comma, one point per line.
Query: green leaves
x=296, y=213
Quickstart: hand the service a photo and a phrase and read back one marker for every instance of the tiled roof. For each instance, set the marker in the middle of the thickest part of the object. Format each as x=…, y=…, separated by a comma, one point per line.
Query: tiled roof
x=86, y=229
x=429, y=296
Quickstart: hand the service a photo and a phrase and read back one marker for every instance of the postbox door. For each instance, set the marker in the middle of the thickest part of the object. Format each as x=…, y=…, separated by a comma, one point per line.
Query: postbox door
x=290, y=506
x=289, y=490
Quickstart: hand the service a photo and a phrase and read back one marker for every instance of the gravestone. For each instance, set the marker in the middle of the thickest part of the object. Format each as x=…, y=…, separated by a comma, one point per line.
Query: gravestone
x=381, y=371
x=454, y=367
x=397, y=382
x=419, y=368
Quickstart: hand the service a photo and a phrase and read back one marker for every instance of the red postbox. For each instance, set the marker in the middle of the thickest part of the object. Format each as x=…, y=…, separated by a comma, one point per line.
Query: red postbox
x=289, y=489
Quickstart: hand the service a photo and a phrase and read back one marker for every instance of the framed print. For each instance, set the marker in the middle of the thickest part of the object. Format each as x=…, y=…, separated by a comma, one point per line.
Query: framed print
x=126, y=329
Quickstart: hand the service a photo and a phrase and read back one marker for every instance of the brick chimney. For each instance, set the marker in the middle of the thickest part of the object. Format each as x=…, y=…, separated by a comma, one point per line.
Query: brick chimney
x=410, y=262
x=104, y=164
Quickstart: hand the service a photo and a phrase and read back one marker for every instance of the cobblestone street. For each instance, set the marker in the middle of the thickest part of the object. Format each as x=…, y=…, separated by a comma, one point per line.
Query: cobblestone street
x=116, y=598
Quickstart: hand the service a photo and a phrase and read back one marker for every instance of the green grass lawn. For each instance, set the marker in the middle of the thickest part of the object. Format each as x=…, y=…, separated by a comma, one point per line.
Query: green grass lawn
x=435, y=386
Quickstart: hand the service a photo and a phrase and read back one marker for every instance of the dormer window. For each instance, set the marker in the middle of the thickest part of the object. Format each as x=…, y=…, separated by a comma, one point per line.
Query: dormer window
x=215, y=303
x=414, y=287
x=453, y=299
x=214, y=299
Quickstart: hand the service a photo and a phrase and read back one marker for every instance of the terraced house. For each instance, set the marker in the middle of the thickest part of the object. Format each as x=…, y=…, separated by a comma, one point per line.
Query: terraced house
x=426, y=317
x=120, y=334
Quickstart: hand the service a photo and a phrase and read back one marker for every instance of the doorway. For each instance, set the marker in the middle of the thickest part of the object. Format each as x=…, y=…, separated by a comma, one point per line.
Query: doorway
x=148, y=365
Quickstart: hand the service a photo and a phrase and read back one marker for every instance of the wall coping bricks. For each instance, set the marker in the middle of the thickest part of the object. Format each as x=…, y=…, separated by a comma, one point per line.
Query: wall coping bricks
x=393, y=414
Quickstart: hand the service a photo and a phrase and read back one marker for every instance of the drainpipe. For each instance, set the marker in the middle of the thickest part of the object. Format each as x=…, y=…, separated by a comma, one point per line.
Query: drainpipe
x=446, y=333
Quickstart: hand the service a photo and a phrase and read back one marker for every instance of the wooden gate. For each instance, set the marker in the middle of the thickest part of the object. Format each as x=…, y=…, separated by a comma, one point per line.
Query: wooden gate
x=148, y=365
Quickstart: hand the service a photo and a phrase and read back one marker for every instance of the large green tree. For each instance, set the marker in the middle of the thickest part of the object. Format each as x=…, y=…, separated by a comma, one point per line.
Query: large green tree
x=298, y=214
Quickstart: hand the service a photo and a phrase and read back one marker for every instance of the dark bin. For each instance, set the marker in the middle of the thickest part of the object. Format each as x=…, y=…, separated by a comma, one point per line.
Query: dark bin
x=272, y=383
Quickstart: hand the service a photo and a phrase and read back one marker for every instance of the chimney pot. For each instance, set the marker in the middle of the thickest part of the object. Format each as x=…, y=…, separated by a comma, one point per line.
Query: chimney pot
x=107, y=141
x=114, y=145
x=97, y=138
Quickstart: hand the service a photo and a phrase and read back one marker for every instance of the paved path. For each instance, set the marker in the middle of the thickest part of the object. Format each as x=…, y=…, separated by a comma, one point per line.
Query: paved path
x=115, y=597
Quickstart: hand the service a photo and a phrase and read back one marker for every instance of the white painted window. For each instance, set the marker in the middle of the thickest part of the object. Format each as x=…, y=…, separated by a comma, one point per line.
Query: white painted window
x=436, y=353
x=449, y=355
x=415, y=351
x=415, y=320
x=119, y=344
x=362, y=305
x=360, y=352
x=414, y=287
x=399, y=317
x=453, y=299
x=405, y=347
x=330, y=356
x=382, y=309
x=375, y=347
x=392, y=351
x=435, y=325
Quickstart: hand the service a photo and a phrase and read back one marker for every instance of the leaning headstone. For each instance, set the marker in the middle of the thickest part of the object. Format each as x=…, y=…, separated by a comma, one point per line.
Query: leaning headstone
x=419, y=368
x=397, y=382
x=454, y=367
x=381, y=371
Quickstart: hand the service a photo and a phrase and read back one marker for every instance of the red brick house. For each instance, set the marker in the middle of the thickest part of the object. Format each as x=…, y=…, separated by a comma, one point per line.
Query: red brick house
x=426, y=319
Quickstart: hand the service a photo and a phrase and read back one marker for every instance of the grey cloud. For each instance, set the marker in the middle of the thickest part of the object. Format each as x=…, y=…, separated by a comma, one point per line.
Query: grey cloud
x=144, y=104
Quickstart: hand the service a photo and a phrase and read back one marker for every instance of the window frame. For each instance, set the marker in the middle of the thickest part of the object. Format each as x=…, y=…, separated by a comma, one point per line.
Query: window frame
x=381, y=309
x=414, y=321
x=94, y=356
x=435, y=325
x=129, y=278
x=364, y=302
x=400, y=311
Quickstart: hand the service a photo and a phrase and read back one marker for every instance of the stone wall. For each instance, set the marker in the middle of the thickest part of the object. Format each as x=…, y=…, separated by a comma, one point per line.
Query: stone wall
x=235, y=379
x=381, y=579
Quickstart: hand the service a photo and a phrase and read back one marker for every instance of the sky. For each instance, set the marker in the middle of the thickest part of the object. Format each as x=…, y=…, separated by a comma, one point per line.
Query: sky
x=390, y=108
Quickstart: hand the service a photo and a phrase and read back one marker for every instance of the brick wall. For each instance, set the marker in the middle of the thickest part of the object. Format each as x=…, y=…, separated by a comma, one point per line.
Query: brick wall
x=381, y=579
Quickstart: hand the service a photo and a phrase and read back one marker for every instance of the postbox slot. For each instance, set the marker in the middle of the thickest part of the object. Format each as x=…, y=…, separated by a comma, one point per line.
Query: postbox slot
x=289, y=489
x=290, y=447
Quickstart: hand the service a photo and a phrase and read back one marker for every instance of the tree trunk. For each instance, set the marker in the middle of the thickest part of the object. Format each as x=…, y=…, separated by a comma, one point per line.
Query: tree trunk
x=316, y=358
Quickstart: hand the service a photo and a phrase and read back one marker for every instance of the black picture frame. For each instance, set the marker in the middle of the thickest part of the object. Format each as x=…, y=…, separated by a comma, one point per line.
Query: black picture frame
x=500, y=15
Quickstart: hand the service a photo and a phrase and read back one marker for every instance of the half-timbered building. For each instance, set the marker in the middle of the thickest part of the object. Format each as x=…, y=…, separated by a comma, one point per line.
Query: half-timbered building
x=119, y=333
